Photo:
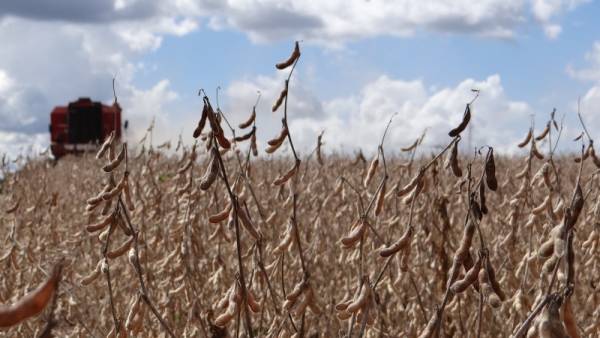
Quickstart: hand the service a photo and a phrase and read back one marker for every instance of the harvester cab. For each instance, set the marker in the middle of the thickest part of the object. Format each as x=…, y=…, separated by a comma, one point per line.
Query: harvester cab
x=82, y=125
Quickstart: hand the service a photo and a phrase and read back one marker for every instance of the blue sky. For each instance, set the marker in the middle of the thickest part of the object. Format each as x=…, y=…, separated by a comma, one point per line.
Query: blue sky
x=361, y=61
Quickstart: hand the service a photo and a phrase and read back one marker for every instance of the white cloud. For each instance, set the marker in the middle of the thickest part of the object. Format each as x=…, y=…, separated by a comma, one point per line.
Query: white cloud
x=544, y=11
x=144, y=105
x=335, y=21
x=590, y=109
x=358, y=121
x=15, y=144
x=592, y=71
x=329, y=22
x=590, y=102
x=552, y=31
x=18, y=105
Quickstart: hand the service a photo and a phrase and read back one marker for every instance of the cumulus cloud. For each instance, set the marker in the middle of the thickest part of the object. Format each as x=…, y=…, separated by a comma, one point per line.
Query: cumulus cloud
x=592, y=71
x=357, y=121
x=590, y=102
x=545, y=11
x=80, y=11
x=15, y=144
x=143, y=106
x=328, y=22
x=18, y=105
x=338, y=20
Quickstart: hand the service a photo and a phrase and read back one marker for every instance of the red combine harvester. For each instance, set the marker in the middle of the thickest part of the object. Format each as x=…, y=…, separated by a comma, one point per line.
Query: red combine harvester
x=82, y=125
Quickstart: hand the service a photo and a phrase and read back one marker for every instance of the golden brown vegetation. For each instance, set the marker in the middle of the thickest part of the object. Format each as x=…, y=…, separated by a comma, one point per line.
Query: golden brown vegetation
x=207, y=241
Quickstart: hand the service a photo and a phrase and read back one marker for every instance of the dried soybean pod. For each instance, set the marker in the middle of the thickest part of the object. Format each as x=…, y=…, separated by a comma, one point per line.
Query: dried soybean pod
x=452, y=160
x=202, y=121
x=253, y=145
x=404, y=260
x=286, y=177
x=536, y=152
x=559, y=245
x=107, y=208
x=570, y=259
x=484, y=208
x=362, y=298
x=398, y=245
x=319, y=145
x=380, y=199
x=285, y=242
x=279, y=101
x=290, y=61
x=13, y=207
x=133, y=311
x=544, y=132
x=296, y=291
x=92, y=276
x=105, y=145
x=490, y=171
x=115, y=163
x=576, y=206
x=249, y=121
x=454, y=270
x=463, y=124
x=475, y=208
x=273, y=148
x=244, y=137
x=592, y=154
x=279, y=138
x=117, y=189
x=252, y=303
x=212, y=117
x=32, y=303
x=411, y=185
x=527, y=139
x=493, y=281
x=469, y=278
x=371, y=172
x=343, y=305
x=354, y=236
x=221, y=215
x=301, y=306
x=222, y=140
x=211, y=172
x=569, y=319
x=487, y=291
x=465, y=243
x=410, y=147
x=120, y=250
x=224, y=318
x=128, y=199
x=247, y=224
x=101, y=224
x=548, y=266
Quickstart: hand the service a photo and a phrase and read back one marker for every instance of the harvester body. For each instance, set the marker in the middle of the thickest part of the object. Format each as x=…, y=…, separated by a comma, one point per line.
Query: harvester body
x=82, y=125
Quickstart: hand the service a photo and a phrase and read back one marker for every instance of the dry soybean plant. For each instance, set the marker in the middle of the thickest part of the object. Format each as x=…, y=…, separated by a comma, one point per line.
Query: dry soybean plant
x=226, y=237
